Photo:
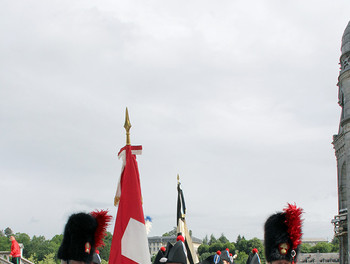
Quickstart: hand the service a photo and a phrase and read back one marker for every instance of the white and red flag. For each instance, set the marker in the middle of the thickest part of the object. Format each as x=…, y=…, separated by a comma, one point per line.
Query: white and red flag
x=129, y=242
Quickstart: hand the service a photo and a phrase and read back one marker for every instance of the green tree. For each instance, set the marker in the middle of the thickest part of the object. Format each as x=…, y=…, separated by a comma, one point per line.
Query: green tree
x=212, y=240
x=105, y=262
x=172, y=232
x=335, y=244
x=215, y=247
x=104, y=252
x=54, y=245
x=153, y=258
x=204, y=256
x=305, y=248
x=255, y=243
x=239, y=238
x=5, y=244
x=40, y=247
x=204, y=248
x=242, y=245
x=322, y=247
x=33, y=258
x=48, y=259
x=25, y=240
x=57, y=239
x=8, y=231
x=223, y=239
x=241, y=258
x=205, y=240
x=231, y=247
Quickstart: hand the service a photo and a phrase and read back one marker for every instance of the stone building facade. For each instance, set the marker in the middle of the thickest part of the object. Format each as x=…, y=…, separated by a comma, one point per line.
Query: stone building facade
x=341, y=143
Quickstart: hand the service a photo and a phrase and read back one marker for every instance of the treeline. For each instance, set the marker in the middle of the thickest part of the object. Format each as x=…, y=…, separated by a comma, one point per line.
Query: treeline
x=44, y=251
x=322, y=247
x=242, y=247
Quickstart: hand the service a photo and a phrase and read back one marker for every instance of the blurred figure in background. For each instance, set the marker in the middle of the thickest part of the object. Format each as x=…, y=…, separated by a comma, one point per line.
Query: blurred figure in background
x=15, y=251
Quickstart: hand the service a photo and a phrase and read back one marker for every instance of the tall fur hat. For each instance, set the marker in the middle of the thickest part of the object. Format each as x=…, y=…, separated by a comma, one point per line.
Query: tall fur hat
x=283, y=234
x=83, y=233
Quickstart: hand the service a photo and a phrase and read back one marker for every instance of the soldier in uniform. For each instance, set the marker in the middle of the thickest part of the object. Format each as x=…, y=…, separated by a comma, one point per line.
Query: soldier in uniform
x=253, y=257
x=225, y=257
x=162, y=253
x=283, y=233
x=83, y=234
x=173, y=254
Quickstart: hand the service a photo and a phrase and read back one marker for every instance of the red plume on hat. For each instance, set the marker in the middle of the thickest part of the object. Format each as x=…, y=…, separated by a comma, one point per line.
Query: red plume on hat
x=180, y=237
x=294, y=224
x=103, y=220
x=254, y=250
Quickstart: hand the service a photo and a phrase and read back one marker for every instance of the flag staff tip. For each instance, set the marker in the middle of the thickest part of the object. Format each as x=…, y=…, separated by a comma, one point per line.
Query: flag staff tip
x=127, y=126
x=178, y=178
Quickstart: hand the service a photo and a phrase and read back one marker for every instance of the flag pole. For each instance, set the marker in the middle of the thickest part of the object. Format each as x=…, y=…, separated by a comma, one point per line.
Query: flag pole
x=183, y=211
x=182, y=226
x=127, y=126
x=129, y=242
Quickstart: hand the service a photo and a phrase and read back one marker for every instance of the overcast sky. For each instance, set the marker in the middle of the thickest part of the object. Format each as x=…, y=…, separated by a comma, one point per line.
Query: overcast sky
x=237, y=97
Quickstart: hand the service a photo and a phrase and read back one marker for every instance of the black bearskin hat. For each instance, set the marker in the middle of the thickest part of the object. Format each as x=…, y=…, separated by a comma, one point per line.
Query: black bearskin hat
x=283, y=234
x=83, y=233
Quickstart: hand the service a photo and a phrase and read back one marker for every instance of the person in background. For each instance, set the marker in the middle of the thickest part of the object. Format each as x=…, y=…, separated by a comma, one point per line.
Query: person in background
x=15, y=251
x=96, y=257
x=213, y=259
x=178, y=254
x=253, y=257
x=283, y=233
x=173, y=254
x=225, y=257
x=162, y=253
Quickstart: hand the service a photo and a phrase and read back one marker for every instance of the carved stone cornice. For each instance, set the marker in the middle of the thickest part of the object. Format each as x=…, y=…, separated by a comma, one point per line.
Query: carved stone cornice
x=344, y=67
x=344, y=62
x=339, y=146
x=346, y=126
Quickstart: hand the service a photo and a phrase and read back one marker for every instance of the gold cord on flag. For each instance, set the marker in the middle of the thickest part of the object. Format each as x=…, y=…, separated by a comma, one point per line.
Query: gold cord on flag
x=116, y=200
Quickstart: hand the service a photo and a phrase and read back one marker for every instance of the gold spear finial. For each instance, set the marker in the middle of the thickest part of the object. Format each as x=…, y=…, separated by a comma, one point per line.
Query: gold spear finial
x=127, y=127
x=178, y=178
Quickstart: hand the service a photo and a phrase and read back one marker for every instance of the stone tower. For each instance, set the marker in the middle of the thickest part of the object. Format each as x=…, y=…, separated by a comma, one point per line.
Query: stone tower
x=341, y=143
